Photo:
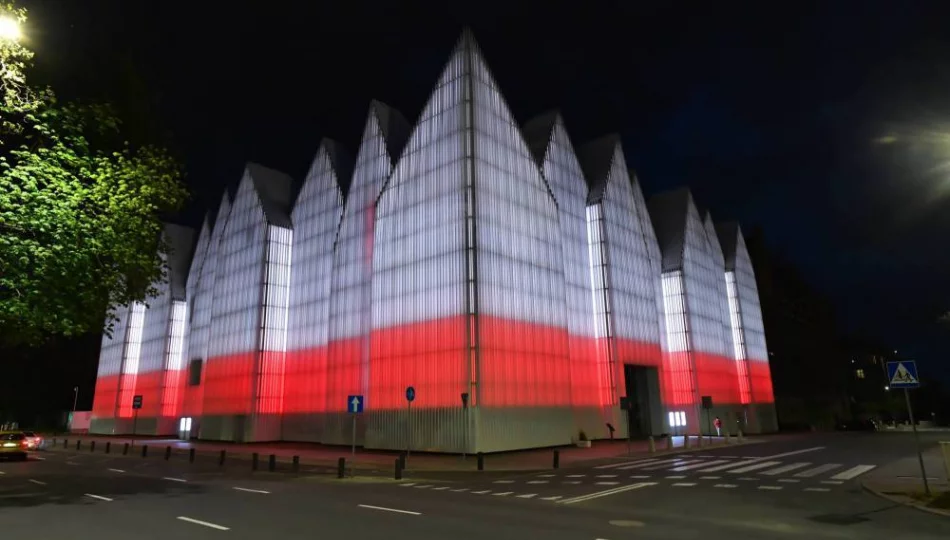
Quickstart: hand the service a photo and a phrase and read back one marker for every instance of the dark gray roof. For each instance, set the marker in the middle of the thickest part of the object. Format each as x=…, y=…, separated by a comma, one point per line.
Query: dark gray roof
x=393, y=125
x=668, y=212
x=728, y=234
x=341, y=161
x=181, y=248
x=596, y=158
x=274, y=189
x=538, y=132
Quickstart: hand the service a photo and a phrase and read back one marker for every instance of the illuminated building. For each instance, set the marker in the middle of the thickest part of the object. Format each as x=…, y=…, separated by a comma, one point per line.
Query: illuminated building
x=521, y=289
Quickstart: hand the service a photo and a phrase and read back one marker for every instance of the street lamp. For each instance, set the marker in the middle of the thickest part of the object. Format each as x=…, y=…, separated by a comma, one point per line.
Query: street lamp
x=75, y=397
x=9, y=28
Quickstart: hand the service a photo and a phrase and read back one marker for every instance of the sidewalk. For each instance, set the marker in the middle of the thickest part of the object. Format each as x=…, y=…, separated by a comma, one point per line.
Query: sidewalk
x=317, y=454
x=901, y=482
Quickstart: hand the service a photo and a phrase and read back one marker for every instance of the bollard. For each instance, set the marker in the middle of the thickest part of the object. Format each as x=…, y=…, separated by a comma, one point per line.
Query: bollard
x=221, y=458
x=739, y=436
x=78, y=444
x=144, y=450
x=669, y=442
x=125, y=449
x=686, y=440
x=272, y=463
x=295, y=464
x=108, y=446
x=341, y=468
x=191, y=455
x=65, y=443
x=557, y=459
x=699, y=441
x=481, y=461
x=398, y=475
x=92, y=446
x=651, y=444
x=168, y=452
x=254, y=460
x=728, y=438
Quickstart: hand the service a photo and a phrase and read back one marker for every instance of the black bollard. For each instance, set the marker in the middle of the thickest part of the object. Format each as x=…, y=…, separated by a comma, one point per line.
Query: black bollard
x=125, y=449
x=481, y=461
x=78, y=444
x=108, y=446
x=221, y=458
x=557, y=459
x=272, y=463
x=296, y=463
x=191, y=455
x=402, y=461
x=398, y=469
x=168, y=452
x=254, y=460
x=92, y=446
x=145, y=450
x=65, y=443
x=341, y=468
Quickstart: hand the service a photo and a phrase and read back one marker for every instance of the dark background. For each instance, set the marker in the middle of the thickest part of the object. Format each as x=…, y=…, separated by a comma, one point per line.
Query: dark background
x=824, y=124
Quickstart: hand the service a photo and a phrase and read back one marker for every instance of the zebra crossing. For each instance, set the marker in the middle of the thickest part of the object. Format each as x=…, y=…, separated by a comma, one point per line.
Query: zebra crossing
x=728, y=465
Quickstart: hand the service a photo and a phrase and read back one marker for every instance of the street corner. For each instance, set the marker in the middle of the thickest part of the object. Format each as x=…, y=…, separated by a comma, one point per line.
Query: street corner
x=937, y=502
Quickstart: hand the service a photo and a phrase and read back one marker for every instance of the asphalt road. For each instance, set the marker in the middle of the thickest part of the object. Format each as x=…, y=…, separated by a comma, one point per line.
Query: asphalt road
x=82, y=495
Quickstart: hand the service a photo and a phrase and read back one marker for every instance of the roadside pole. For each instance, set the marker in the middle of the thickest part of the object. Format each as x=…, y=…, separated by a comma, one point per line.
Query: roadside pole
x=920, y=455
x=903, y=375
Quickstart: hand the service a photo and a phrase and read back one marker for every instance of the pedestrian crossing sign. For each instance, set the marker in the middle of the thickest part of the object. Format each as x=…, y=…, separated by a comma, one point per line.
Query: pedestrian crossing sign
x=902, y=374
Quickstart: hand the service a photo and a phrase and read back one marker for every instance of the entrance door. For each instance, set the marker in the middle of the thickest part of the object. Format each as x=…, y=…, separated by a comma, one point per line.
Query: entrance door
x=184, y=428
x=643, y=389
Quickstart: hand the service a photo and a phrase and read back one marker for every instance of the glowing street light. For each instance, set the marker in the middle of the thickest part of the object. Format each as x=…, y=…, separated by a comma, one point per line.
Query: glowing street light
x=9, y=28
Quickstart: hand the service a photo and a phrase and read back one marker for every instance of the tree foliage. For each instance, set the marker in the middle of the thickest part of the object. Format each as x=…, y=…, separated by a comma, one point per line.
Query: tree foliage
x=79, y=209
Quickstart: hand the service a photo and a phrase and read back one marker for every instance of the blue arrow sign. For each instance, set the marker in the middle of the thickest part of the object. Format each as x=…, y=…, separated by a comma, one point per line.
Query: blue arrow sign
x=410, y=394
x=354, y=404
x=902, y=374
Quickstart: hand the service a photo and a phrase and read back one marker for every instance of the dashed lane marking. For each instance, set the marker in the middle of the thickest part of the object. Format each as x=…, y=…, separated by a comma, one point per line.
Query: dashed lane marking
x=38, y=482
x=572, y=482
x=684, y=484
x=173, y=479
x=607, y=493
x=394, y=510
x=747, y=479
x=423, y=486
x=554, y=498
x=546, y=475
x=832, y=482
x=482, y=492
x=536, y=482
x=606, y=476
x=608, y=483
x=789, y=480
x=575, y=476
x=503, y=493
x=727, y=486
x=527, y=496
x=248, y=490
x=640, y=476
x=503, y=482
x=116, y=470
x=408, y=484
x=460, y=490
x=817, y=489
x=710, y=477
x=675, y=477
x=770, y=488
x=440, y=488
x=204, y=523
x=98, y=497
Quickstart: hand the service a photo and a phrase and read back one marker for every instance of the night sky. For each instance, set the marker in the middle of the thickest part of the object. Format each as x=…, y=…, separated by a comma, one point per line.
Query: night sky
x=825, y=123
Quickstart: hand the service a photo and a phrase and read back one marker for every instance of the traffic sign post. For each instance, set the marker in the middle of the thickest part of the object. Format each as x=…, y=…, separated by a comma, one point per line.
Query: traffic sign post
x=465, y=416
x=707, y=405
x=903, y=375
x=354, y=404
x=410, y=397
x=136, y=405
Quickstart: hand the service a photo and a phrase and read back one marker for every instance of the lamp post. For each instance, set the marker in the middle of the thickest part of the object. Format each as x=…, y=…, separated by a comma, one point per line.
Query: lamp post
x=75, y=397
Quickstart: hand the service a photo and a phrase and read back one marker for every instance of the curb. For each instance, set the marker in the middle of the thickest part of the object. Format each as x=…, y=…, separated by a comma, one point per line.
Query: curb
x=895, y=500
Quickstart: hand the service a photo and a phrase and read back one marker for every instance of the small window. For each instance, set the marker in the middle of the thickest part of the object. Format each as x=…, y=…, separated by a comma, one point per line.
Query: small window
x=194, y=372
x=859, y=373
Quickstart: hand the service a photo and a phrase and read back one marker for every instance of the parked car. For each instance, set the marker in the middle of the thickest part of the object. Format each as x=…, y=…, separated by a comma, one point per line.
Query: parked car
x=13, y=445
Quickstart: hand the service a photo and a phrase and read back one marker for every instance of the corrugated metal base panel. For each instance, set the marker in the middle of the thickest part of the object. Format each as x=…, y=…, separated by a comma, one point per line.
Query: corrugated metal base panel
x=167, y=426
x=505, y=429
x=590, y=420
x=338, y=428
x=143, y=426
x=766, y=419
x=224, y=428
x=427, y=430
x=302, y=427
x=102, y=426
x=264, y=428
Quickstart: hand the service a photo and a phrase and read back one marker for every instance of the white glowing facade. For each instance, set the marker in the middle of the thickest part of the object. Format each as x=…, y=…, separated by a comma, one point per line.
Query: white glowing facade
x=524, y=293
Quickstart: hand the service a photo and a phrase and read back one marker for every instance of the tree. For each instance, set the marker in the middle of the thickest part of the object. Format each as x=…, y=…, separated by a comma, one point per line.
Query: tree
x=80, y=225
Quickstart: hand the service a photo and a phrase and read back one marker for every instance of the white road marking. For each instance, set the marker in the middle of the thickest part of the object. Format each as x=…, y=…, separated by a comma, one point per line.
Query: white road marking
x=789, y=480
x=747, y=479
x=71, y=463
x=38, y=482
x=640, y=476
x=173, y=479
x=676, y=463
x=503, y=493
x=675, y=477
x=640, y=464
x=818, y=470
x=527, y=495
x=441, y=488
x=503, y=482
x=625, y=463
x=572, y=482
x=771, y=488
x=684, y=484
x=424, y=486
x=554, y=498
x=754, y=467
x=606, y=476
x=728, y=486
x=384, y=509
x=460, y=490
x=204, y=523
x=407, y=484
x=785, y=468
x=575, y=476
x=2, y=473
x=482, y=492
x=606, y=493
x=252, y=490
x=546, y=475
x=786, y=454
x=536, y=482
x=817, y=489
x=853, y=472
x=100, y=497
x=38, y=458
x=116, y=470
x=832, y=482
x=607, y=483
x=710, y=477
x=698, y=465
